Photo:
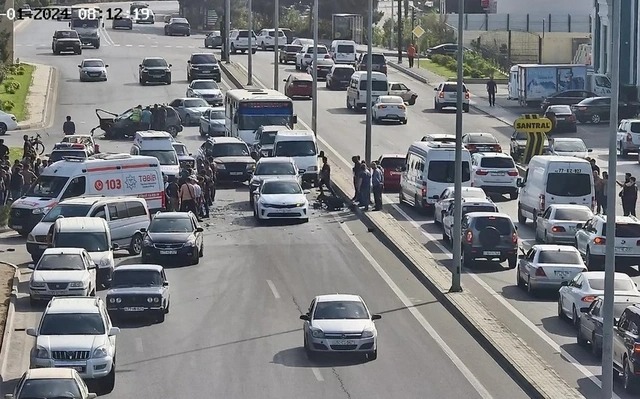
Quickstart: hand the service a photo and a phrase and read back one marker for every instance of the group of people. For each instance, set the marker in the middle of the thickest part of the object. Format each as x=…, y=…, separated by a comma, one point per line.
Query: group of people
x=367, y=179
x=193, y=190
x=149, y=118
x=16, y=178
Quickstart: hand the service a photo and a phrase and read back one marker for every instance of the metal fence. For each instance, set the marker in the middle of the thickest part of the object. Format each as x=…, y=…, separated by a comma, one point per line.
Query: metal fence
x=523, y=22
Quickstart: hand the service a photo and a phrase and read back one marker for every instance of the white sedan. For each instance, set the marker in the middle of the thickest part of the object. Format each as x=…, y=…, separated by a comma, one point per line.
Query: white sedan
x=389, y=108
x=281, y=199
x=569, y=146
x=576, y=296
x=93, y=69
x=62, y=272
x=548, y=266
x=446, y=197
x=8, y=122
x=207, y=89
x=559, y=223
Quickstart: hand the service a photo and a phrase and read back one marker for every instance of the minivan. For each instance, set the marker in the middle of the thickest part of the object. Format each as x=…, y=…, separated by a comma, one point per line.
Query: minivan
x=300, y=145
x=343, y=51
x=379, y=63
x=357, y=90
x=124, y=215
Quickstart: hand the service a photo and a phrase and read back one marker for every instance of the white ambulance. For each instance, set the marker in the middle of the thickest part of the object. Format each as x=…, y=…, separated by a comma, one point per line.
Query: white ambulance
x=104, y=174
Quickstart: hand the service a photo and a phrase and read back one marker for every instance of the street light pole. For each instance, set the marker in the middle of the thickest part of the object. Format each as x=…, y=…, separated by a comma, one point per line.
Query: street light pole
x=227, y=28
x=276, y=49
x=367, y=137
x=610, y=239
x=457, y=199
x=399, y=31
x=250, y=47
x=314, y=64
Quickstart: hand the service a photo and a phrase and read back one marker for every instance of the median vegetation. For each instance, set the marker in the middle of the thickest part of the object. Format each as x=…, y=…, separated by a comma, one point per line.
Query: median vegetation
x=474, y=66
x=15, y=80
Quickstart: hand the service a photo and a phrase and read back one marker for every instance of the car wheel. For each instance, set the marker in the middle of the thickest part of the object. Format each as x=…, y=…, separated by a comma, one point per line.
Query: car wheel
x=513, y=195
x=3, y=128
x=521, y=218
x=412, y=101
x=530, y=289
x=590, y=261
x=581, y=340
x=560, y=310
x=404, y=121
x=201, y=251
x=512, y=261
x=623, y=152
x=135, y=247
x=465, y=107
x=108, y=383
x=467, y=261
x=196, y=257
x=595, y=118
x=232, y=48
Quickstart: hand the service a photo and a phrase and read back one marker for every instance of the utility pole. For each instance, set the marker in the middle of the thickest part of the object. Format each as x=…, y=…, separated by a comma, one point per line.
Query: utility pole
x=276, y=49
x=610, y=239
x=223, y=34
x=227, y=29
x=367, y=137
x=314, y=64
x=250, y=47
x=399, y=31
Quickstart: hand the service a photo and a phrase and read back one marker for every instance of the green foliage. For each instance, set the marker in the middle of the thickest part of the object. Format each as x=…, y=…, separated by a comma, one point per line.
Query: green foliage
x=11, y=86
x=7, y=105
x=474, y=65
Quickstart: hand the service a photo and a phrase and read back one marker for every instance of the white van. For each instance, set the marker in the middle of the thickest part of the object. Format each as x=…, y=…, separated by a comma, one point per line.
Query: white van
x=513, y=83
x=124, y=215
x=343, y=51
x=300, y=145
x=160, y=145
x=357, y=90
x=429, y=169
x=90, y=234
x=552, y=179
x=109, y=175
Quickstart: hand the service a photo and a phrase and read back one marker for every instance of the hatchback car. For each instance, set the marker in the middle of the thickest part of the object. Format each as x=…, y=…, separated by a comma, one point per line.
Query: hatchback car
x=207, y=89
x=288, y=53
x=400, y=89
x=378, y=64
x=212, y=123
x=339, y=77
x=177, y=26
x=469, y=205
x=389, y=108
x=491, y=236
x=93, y=69
x=280, y=199
x=305, y=56
x=442, y=49
x=392, y=166
x=323, y=67
x=340, y=323
x=548, y=266
x=173, y=236
x=213, y=39
x=569, y=146
x=51, y=382
x=124, y=21
x=590, y=240
x=298, y=85
x=481, y=142
x=446, y=96
x=559, y=223
x=495, y=172
x=562, y=118
x=154, y=69
x=596, y=110
x=447, y=197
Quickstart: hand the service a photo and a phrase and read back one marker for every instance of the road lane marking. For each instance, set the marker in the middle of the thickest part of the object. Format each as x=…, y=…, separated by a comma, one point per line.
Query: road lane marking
x=139, y=347
x=477, y=385
x=273, y=289
x=129, y=45
x=316, y=372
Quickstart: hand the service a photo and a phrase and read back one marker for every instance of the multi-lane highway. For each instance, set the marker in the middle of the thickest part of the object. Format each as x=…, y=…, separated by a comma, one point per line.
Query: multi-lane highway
x=234, y=330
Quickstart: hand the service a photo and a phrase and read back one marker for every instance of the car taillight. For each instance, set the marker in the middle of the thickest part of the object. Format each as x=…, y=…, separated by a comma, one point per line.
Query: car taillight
x=382, y=106
x=599, y=240
x=637, y=243
x=466, y=95
x=497, y=148
x=636, y=348
x=327, y=57
x=572, y=118
x=513, y=173
x=468, y=236
x=514, y=237
x=558, y=229
x=540, y=272
x=629, y=138
x=441, y=94
x=542, y=202
x=589, y=298
x=424, y=189
x=482, y=172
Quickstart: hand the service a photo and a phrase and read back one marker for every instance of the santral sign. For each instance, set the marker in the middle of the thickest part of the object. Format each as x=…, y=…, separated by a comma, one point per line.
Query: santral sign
x=533, y=124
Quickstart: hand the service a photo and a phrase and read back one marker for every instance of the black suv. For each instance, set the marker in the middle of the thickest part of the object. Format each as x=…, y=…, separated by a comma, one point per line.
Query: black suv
x=232, y=159
x=154, y=69
x=379, y=63
x=177, y=26
x=203, y=66
x=339, y=77
x=66, y=41
x=490, y=236
x=626, y=347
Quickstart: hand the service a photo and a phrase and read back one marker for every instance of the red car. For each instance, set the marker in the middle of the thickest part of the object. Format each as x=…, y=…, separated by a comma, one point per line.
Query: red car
x=298, y=85
x=392, y=165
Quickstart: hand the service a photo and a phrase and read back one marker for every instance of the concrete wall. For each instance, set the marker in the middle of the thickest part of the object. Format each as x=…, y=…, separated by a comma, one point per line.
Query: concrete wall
x=575, y=7
x=560, y=47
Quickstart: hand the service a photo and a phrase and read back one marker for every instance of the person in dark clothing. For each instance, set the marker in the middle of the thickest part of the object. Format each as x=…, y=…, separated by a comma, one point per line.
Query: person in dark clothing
x=4, y=150
x=377, y=184
x=172, y=191
x=364, y=186
x=162, y=118
x=325, y=177
x=27, y=149
x=68, y=127
x=594, y=166
x=154, y=117
x=492, y=88
x=15, y=184
x=356, y=171
x=629, y=195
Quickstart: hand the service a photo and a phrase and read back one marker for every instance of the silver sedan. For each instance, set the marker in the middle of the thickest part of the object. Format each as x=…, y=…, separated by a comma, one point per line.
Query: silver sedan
x=93, y=69
x=559, y=223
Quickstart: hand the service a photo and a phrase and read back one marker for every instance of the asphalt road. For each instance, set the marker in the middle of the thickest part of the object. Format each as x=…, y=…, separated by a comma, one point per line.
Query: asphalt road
x=233, y=330
x=533, y=318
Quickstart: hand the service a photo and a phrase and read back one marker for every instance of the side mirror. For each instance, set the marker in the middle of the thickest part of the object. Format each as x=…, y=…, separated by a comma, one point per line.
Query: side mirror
x=615, y=321
x=139, y=65
x=170, y=65
x=92, y=395
x=79, y=66
x=304, y=317
x=300, y=172
x=32, y=266
x=106, y=66
x=284, y=80
x=294, y=119
x=115, y=246
x=165, y=284
x=376, y=317
x=564, y=283
x=584, y=310
x=435, y=89
x=579, y=226
x=188, y=61
x=306, y=192
x=590, y=150
x=199, y=229
x=103, y=24
x=31, y=332
x=519, y=182
x=92, y=266
x=143, y=230
x=114, y=331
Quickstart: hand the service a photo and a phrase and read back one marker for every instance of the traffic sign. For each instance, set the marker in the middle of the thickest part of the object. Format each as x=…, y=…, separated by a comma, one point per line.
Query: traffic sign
x=532, y=123
x=418, y=32
x=212, y=17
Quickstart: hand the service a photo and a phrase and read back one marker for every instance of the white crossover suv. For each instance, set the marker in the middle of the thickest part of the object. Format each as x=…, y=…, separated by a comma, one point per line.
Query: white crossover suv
x=77, y=333
x=591, y=238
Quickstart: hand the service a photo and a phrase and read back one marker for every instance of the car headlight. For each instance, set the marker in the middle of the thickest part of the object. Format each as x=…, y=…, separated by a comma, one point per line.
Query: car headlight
x=312, y=168
x=105, y=262
x=42, y=352
x=76, y=284
x=251, y=167
x=118, y=300
x=100, y=352
x=112, y=300
x=145, y=70
x=220, y=166
x=150, y=299
x=317, y=333
x=147, y=242
x=367, y=334
x=191, y=241
x=301, y=204
x=41, y=211
x=156, y=300
x=31, y=237
x=37, y=284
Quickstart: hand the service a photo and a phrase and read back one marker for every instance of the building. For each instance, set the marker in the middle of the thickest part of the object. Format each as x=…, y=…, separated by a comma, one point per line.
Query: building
x=574, y=7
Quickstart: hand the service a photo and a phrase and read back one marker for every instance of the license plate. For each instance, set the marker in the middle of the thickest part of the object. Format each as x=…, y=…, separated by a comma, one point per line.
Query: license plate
x=497, y=173
x=559, y=119
x=622, y=249
x=563, y=274
x=43, y=246
x=573, y=229
x=133, y=309
x=168, y=252
x=235, y=173
x=79, y=369
x=344, y=342
x=491, y=253
x=16, y=227
x=57, y=292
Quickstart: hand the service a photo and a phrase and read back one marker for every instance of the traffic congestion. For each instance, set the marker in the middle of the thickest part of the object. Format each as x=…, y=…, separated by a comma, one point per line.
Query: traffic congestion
x=110, y=216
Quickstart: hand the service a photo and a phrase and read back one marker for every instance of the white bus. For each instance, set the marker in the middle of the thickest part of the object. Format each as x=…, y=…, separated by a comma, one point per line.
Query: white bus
x=248, y=109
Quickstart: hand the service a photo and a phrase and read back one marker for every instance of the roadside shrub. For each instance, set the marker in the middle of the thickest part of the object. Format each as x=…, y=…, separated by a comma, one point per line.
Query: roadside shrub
x=11, y=87
x=7, y=105
x=20, y=70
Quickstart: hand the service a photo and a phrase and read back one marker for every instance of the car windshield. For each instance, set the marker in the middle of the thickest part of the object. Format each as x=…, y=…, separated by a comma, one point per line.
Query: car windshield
x=273, y=168
x=205, y=85
x=570, y=146
x=560, y=257
x=93, y=63
x=91, y=242
x=165, y=157
x=376, y=85
x=136, y=278
x=569, y=184
x=346, y=48
x=67, y=211
x=50, y=388
x=216, y=115
x=59, y=155
x=154, y=62
x=60, y=262
x=443, y=171
x=619, y=284
x=340, y=310
x=394, y=164
x=281, y=187
x=292, y=48
x=72, y=324
x=47, y=186
x=502, y=224
x=195, y=103
x=295, y=148
x=229, y=150
x=179, y=21
x=624, y=230
x=203, y=59
x=497, y=163
x=85, y=23
x=268, y=137
x=572, y=214
x=482, y=139
x=453, y=88
x=171, y=225
x=181, y=149
x=67, y=34
x=472, y=192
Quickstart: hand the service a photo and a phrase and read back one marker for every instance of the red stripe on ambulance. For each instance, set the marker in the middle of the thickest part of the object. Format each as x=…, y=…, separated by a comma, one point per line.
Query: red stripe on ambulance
x=107, y=168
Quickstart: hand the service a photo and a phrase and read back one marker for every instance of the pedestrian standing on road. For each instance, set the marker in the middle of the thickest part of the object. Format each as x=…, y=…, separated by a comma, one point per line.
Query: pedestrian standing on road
x=154, y=117
x=15, y=184
x=3, y=187
x=145, y=118
x=356, y=172
x=628, y=194
x=598, y=185
x=27, y=148
x=37, y=167
x=605, y=184
x=188, y=198
x=411, y=54
x=136, y=116
x=172, y=191
x=594, y=166
x=4, y=150
x=377, y=185
x=325, y=177
x=492, y=88
x=28, y=178
x=633, y=196
x=364, y=186
x=68, y=127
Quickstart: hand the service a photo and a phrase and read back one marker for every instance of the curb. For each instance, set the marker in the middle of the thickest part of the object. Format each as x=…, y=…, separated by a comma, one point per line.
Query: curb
x=8, y=326
x=229, y=75
x=52, y=93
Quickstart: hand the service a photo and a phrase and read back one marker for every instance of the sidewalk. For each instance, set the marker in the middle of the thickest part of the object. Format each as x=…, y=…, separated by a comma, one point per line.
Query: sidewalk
x=39, y=102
